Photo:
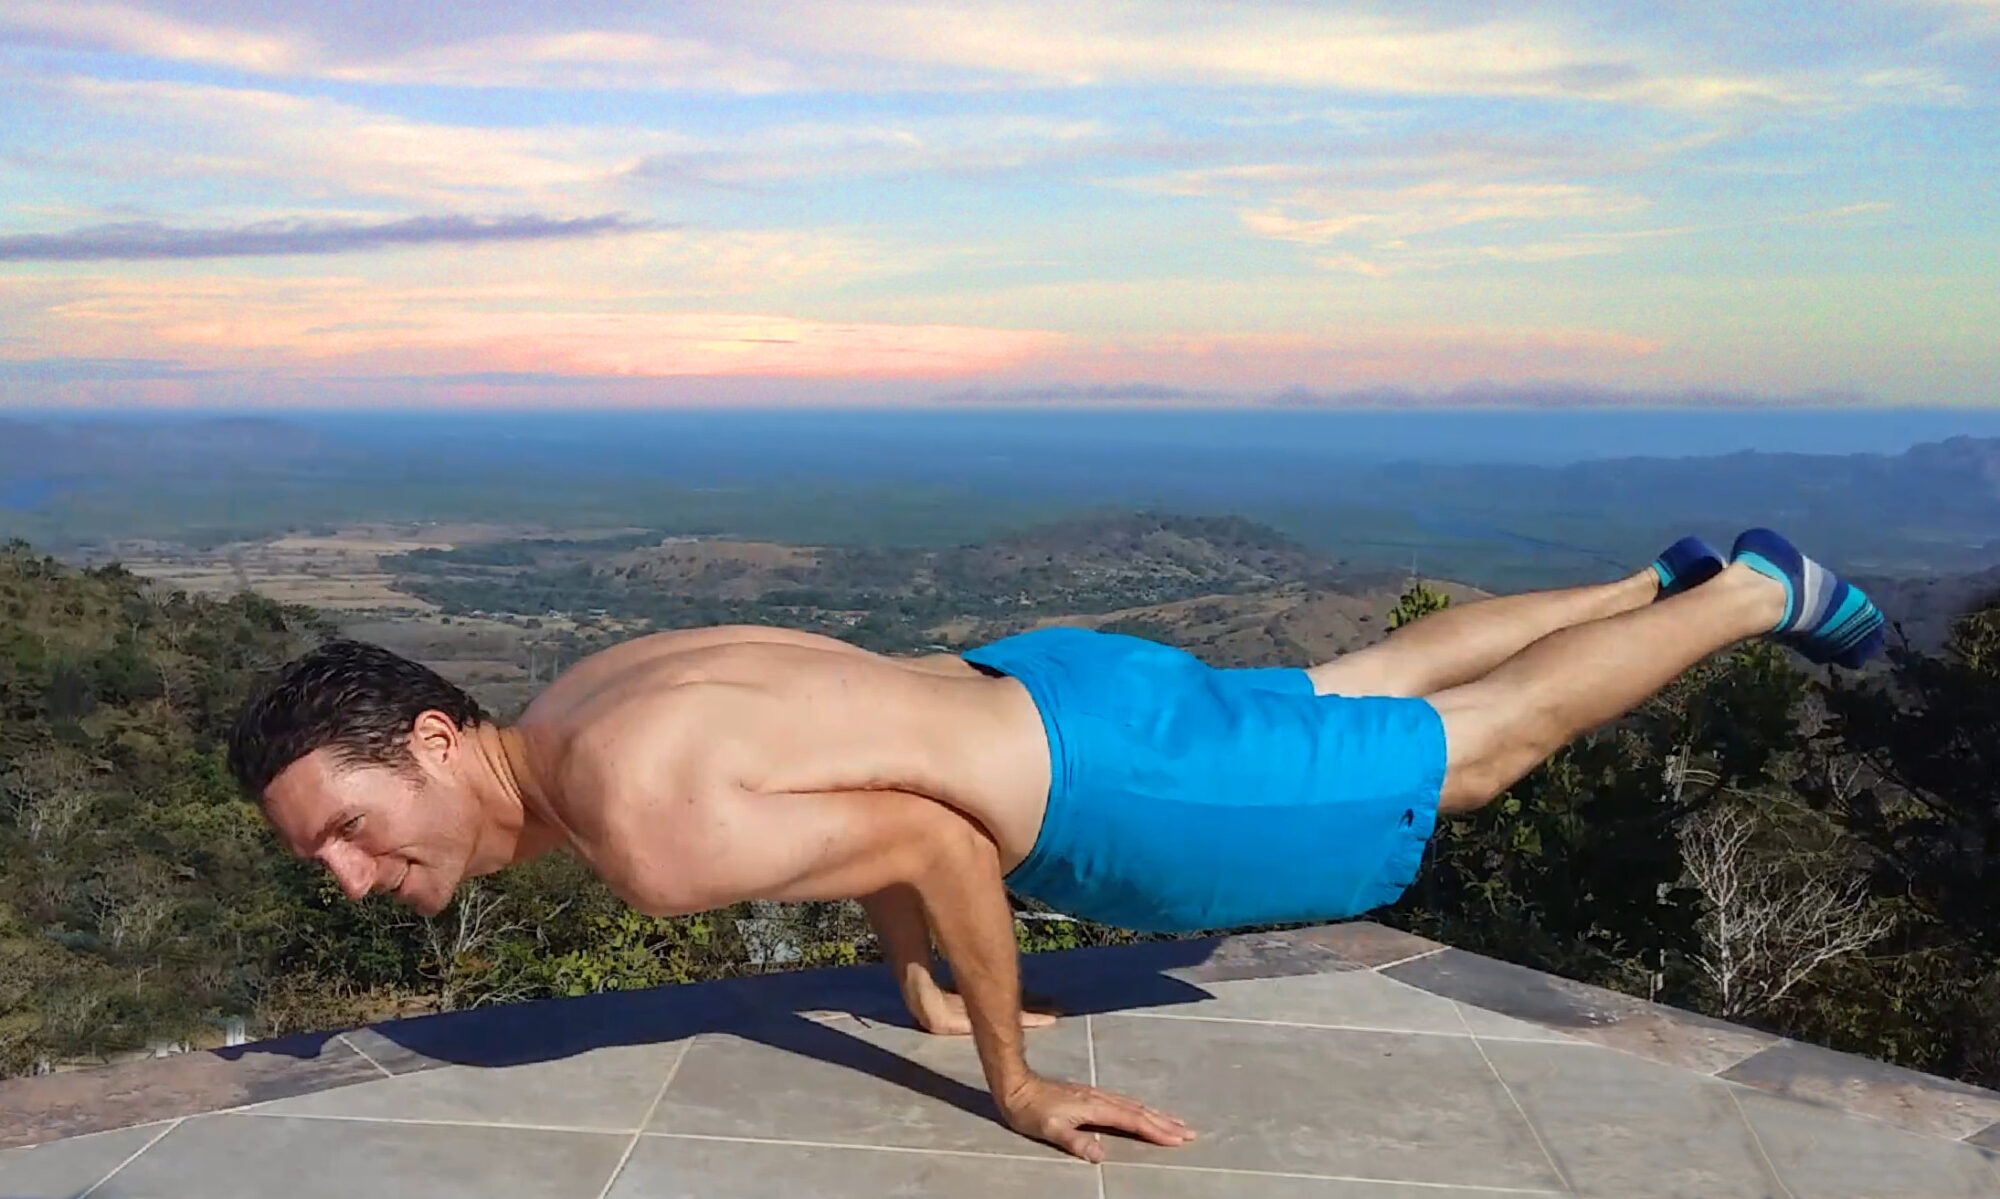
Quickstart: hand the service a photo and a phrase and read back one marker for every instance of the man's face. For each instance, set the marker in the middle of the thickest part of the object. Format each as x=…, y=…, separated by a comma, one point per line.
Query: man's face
x=409, y=833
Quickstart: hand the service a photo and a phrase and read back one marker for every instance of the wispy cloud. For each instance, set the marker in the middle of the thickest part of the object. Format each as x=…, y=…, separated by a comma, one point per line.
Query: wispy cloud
x=141, y=239
x=1389, y=231
x=133, y=29
x=878, y=45
x=1386, y=51
x=173, y=130
x=1037, y=200
x=585, y=58
x=354, y=327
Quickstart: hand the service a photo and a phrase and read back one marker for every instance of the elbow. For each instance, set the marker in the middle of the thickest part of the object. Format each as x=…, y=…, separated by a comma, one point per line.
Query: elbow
x=953, y=852
x=662, y=889
x=658, y=901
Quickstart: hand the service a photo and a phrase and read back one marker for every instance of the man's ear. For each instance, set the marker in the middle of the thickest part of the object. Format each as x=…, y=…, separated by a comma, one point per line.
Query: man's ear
x=434, y=735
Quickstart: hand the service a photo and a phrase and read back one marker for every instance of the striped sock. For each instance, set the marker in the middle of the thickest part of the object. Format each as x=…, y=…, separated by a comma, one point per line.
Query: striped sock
x=1686, y=563
x=1827, y=619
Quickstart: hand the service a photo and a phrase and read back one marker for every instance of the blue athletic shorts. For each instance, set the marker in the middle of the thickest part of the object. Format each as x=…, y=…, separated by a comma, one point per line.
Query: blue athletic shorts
x=1187, y=798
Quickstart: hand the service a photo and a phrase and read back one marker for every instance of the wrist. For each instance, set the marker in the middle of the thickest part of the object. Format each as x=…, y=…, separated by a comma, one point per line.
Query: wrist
x=1014, y=1089
x=916, y=982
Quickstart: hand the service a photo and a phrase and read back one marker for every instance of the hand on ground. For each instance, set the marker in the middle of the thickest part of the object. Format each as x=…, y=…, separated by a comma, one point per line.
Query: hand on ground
x=1058, y=1112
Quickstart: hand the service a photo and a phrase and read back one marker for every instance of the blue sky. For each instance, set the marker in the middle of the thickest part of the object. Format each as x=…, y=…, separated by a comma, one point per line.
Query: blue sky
x=601, y=204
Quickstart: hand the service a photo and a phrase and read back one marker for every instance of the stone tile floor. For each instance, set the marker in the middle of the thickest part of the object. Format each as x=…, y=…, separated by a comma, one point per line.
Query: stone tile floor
x=1334, y=1063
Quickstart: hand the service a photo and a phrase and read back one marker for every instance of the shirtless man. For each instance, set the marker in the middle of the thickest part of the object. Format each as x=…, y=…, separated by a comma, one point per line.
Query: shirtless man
x=1114, y=778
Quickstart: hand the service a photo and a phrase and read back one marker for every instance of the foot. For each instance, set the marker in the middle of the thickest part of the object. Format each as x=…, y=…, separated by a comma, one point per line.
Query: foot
x=1827, y=619
x=1686, y=563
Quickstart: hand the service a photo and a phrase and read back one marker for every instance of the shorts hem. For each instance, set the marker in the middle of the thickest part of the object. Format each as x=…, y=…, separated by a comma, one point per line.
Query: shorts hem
x=1021, y=877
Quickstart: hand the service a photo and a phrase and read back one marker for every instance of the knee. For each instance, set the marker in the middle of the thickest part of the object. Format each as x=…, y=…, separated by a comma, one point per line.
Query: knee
x=1363, y=673
x=1469, y=787
x=1487, y=751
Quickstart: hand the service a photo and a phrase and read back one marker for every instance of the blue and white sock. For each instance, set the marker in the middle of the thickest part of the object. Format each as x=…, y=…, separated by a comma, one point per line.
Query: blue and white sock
x=1827, y=619
x=1686, y=563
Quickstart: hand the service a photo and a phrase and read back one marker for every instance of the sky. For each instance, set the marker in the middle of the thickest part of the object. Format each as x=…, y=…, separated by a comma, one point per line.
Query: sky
x=331, y=203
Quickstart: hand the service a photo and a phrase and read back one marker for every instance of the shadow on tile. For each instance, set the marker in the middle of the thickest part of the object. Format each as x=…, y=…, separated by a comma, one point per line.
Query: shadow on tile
x=784, y=1012
x=1077, y=982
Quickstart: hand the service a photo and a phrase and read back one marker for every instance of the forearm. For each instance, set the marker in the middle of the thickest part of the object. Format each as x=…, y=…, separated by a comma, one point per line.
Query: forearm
x=905, y=936
x=965, y=900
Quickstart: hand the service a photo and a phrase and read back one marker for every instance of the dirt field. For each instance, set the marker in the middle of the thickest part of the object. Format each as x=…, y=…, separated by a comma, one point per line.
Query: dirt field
x=341, y=572
x=501, y=663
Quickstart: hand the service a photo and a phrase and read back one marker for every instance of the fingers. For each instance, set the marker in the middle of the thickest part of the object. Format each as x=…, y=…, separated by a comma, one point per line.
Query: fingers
x=1082, y=1144
x=1127, y=1115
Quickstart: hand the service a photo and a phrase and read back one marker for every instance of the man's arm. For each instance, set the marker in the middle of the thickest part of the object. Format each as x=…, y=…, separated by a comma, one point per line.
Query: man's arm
x=897, y=915
x=842, y=845
x=898, y=919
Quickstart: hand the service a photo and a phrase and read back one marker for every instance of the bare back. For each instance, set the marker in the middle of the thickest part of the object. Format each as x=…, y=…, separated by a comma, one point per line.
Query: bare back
x=623, y=747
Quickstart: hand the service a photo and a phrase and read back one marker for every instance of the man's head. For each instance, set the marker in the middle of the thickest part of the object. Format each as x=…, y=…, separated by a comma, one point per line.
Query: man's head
x=366, y=761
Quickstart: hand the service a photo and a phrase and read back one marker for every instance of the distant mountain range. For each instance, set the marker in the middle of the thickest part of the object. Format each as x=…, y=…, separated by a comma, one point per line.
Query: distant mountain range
x=1933, y=510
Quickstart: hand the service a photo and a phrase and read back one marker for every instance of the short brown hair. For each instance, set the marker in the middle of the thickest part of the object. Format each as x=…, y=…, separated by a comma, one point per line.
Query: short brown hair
x=358, y=699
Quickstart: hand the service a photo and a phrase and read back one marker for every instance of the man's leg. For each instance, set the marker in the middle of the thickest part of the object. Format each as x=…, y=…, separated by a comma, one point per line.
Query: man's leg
x=1459, y=644
x=1501, y=726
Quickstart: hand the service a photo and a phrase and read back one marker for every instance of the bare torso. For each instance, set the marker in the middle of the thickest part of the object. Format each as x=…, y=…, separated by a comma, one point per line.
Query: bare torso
x=621, y=754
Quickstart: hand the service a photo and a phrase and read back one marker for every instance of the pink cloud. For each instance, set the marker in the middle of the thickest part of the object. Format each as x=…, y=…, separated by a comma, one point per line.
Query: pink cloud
x=332, y=326
x=329, y=332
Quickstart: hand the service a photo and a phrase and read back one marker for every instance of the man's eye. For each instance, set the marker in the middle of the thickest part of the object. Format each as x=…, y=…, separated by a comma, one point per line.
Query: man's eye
x=347, y=830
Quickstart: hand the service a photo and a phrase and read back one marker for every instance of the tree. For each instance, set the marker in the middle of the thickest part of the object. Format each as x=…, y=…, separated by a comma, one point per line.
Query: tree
x=1768, y=921
x=1416, y=602
x=462, y=947
x=1926, y=796
x=51, y=792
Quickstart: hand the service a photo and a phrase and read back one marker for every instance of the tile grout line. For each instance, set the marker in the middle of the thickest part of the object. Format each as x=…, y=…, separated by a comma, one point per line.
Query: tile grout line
x=1515, y=1100
x=1090, y=1043
x=1404, y=961
x=1483, y=1188
x=419, y=1121
x=1064, y=1159
x=646, y=1119
x=92, y=1189
x=1067, y=1162
x=1845, y=1113
x=1758, y=1141
x=1718, y=1071
x=1554, y=1038
x=386, y=1072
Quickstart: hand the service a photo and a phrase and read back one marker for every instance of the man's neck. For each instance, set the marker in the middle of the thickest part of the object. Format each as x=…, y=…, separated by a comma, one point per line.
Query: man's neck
x=504, y=786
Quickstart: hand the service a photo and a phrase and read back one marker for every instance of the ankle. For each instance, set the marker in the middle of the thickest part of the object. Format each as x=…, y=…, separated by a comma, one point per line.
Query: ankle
x=1761, y=598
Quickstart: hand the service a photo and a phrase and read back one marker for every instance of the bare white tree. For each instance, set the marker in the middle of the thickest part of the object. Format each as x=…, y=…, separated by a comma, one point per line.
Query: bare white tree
x=139, y=921
x=1765, y=928
x=453, y=942
x=51, y=794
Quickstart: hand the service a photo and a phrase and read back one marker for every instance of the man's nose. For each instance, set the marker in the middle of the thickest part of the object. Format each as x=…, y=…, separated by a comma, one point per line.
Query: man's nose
x=355, y=872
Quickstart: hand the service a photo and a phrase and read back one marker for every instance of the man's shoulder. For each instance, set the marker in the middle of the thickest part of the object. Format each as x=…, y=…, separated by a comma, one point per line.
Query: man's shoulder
x=653, y=735
x=631, y=789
